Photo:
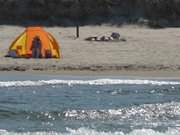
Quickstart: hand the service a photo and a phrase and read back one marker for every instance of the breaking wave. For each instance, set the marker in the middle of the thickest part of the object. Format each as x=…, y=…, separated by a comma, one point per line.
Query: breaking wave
x=85, y=82
x=146, y=112
x=86, y=131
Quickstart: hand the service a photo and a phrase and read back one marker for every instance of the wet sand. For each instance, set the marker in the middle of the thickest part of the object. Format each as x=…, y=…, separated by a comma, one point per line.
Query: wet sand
x=146, y=50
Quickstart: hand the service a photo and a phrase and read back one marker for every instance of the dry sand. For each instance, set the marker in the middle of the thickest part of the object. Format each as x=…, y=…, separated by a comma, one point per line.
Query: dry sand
x=145, y=50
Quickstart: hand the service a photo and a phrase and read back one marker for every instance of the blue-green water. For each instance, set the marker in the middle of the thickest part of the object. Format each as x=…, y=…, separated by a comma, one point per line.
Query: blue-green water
x=83, y=105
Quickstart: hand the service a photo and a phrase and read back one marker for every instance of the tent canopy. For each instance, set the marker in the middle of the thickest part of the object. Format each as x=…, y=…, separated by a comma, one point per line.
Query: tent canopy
x=22, y=45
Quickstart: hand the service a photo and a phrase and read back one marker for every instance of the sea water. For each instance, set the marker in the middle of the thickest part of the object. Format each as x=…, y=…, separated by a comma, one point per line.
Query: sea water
x=84, y=105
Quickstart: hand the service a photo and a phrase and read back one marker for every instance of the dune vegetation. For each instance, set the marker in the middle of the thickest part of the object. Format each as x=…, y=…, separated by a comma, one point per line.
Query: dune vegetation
x=157, y=13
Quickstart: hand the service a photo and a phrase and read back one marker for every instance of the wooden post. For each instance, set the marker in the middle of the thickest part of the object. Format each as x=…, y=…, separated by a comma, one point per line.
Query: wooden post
x=77, y=30
x=77, y=19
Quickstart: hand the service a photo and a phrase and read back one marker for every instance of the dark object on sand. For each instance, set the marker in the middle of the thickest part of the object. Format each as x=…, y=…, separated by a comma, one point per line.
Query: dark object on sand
x=113, y=37
x=91, y=39
x=105, y=38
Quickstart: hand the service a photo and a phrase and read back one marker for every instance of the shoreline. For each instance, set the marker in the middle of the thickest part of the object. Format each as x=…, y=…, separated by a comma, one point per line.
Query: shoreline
x=50, y=68
x=122, y=73
x=157, y=74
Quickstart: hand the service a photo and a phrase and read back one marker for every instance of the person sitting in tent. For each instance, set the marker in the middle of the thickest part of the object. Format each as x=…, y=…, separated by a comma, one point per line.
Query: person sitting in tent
x=36, y=47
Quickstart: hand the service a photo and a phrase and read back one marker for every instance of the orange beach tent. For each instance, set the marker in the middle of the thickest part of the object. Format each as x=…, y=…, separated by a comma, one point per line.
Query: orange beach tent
x=22, y=46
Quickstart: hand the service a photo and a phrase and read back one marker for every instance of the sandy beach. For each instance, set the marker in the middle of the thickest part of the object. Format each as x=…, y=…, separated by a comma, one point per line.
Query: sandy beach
x=145, y=50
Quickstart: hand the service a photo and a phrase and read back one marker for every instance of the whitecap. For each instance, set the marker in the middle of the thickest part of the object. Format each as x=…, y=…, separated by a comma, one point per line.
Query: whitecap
x=85, y=82
x=87, y=131
x=146, y=112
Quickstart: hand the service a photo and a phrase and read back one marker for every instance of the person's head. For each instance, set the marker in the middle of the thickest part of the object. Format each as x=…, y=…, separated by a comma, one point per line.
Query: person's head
x=36, y=37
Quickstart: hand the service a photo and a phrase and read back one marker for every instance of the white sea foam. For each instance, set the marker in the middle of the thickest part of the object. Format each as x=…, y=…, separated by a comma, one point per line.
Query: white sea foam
x=86, y=131
x=85, y=82
x=147, y=112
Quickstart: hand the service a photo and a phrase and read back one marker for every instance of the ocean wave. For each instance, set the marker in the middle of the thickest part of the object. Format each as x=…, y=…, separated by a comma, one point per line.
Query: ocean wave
x=147, y=112
x=85, y=82
x=143, y=113
x=86, y=131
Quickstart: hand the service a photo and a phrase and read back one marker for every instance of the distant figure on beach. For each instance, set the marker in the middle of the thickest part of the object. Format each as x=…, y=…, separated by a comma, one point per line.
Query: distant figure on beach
x=36, y=47
x=115, y=36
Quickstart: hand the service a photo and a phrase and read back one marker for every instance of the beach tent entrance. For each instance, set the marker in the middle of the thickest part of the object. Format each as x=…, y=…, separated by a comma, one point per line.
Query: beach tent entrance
x=22, y=46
